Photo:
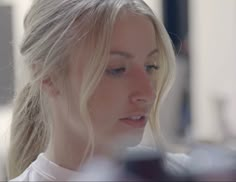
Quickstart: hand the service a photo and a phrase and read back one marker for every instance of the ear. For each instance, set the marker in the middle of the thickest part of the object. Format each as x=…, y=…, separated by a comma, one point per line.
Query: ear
x=49, y=86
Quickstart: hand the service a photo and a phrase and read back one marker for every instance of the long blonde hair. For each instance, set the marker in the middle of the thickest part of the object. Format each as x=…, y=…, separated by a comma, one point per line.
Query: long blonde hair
x=53, y=28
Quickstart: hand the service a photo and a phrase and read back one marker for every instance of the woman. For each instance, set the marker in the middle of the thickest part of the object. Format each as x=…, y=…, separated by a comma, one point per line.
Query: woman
x=99, y=69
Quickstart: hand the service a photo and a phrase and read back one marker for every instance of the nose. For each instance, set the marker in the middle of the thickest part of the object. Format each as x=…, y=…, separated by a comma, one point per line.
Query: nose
x=143, y=91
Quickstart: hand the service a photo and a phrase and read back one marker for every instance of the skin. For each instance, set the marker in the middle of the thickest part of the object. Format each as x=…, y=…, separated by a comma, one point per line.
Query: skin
x=126, y=89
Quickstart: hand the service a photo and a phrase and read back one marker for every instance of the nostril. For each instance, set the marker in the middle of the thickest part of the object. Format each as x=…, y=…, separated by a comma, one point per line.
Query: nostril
x=143, y=91
x=142, y=98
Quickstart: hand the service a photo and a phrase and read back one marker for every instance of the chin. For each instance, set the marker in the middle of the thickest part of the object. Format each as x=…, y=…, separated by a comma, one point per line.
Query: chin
x=129, y=140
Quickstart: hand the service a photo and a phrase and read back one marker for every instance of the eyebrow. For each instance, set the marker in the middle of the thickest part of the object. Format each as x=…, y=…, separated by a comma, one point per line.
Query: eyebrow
x=129, y=56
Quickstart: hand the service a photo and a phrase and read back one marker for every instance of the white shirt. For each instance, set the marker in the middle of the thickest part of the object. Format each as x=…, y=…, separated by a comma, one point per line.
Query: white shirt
x=100, y=169
x=44, y=170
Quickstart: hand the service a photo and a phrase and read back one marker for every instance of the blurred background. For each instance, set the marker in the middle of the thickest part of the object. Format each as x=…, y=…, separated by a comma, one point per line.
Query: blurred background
x=200, y=108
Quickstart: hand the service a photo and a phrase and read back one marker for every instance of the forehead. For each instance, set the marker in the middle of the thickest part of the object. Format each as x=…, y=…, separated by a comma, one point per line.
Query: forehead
x=131, y=32
x=133, y=29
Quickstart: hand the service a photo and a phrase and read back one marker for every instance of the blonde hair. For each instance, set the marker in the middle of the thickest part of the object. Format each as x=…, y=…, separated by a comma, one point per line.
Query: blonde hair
x=52, y=29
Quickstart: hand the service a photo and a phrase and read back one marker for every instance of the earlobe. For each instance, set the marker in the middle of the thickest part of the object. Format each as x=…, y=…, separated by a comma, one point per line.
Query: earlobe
x=49, y=87
x=47, y=83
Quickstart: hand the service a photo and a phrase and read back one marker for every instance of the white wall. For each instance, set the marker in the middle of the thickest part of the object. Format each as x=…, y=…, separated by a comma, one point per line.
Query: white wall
x=212, y=37
x=19, y=10
x=156, y=5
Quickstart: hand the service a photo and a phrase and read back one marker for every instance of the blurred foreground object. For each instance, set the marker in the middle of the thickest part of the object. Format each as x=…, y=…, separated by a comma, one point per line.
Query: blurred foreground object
x=205, y=164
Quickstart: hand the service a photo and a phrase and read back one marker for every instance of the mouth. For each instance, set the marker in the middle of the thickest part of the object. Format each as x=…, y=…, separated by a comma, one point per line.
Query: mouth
x=135, y=121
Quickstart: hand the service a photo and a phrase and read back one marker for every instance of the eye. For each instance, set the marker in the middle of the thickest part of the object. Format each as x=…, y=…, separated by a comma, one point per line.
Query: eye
x=152, y=68
x=116, y=71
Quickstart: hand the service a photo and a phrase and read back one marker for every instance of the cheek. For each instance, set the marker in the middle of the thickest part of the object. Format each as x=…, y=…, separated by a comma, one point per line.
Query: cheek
x=108, y=102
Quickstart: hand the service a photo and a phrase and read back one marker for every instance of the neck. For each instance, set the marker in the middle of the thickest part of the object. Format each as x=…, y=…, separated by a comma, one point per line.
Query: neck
x=69, y=140
x=67, y=149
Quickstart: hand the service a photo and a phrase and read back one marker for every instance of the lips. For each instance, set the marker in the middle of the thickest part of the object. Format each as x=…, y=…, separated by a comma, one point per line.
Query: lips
x=136, y=121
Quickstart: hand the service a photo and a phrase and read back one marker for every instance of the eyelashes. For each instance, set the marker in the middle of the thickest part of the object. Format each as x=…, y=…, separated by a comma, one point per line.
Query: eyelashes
x=152, y=68
x=116, y=72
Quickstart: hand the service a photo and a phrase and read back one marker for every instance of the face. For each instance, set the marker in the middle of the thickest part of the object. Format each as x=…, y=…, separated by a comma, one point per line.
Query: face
x=123, y=99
